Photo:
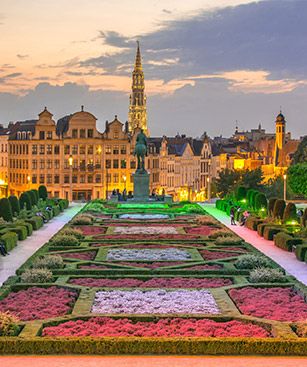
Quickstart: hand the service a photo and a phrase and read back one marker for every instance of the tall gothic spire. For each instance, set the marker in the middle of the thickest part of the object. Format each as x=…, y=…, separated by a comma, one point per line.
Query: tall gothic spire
x=137, y=110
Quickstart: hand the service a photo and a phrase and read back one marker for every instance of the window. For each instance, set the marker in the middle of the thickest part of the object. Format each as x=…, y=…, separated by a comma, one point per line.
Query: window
x=66, y=149
x=82, y=149
x=90, y=149
x=115, y=178
x=90, y=133
x=123, y=163
x=74, y=179
x=82, y=179
x=115, y=163
x=98, y=178
x=82, y=133
x=74, y=149
x=57, y=164
x=42, y=135
x=116, y=134
x=34, y=179
x=56, y=179
x=49, y=149
x=108, y=163
x=82, y=165
x=123, y=149
x=132, y=164
x=41, y=179
x=75, y=133
x=34, y=164
x=115, y=149
x=56, y=149
x=108, y=149
x=66, y=179
x=108, y=177
x=57, y=194
x=42, y=164
x=49, y=163
x=34, y=149
x=49, y=179
x=49, y=134
x=90, y=179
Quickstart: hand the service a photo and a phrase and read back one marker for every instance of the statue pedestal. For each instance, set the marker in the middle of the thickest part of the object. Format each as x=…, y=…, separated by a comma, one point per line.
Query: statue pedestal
x=141, y=186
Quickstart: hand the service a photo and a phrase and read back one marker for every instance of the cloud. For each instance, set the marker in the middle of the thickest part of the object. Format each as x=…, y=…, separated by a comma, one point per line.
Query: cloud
x=115, y=39
x=166, y=11
x=22, y=57
x=7, y=77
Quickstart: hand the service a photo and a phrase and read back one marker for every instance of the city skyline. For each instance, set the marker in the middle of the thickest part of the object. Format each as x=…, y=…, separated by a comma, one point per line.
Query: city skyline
x=204, y=67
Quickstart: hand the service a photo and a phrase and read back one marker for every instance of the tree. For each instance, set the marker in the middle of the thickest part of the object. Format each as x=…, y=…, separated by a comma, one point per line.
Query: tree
x=261, y=201
x=33, y=197
x=36, y=197
x=297, y=178
x=6, y=210
x=252, y=179
x=25, y=200
x=279, y=208
x=14, y=204
x=241, y=193
x=300, y=156
x=290, y=213
x=42, y=192
x=271, y=206
x=226, y=181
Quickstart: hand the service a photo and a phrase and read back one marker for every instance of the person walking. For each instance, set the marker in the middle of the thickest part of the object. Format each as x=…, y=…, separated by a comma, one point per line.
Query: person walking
x=232, y=216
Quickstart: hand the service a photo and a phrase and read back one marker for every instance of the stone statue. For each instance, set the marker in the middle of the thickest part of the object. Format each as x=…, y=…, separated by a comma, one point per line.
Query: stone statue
x=140, y=151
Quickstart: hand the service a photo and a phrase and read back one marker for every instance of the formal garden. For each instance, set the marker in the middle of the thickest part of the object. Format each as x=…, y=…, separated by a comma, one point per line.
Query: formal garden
x=151, y=279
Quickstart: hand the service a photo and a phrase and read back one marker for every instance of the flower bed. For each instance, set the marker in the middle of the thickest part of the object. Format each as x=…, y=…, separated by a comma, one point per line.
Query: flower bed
x=86, y=255
x=148, y=255
x=140, y=237
x=175, y=327
x=203, y=267
x=91, y=230
x=150, y=265
x=237, y=249
x=37, y=303
x=281, y=304
x=203, y=230
x=145, y=230
x=143, y=216
x=178, y=282
x=215, y=255
x=94, y=266
x=155, y=302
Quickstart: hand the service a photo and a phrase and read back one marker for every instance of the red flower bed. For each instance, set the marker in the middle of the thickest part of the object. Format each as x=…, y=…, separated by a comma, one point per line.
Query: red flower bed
x=147, y=237
x=144, y=224
x=152, y=265
x=214, y=255
x=92, y=230
x=144, y=245
x=93, y=266
x=240, y=249
x=86, y=255
x=203, y=267
x=153, y=282
x=203, y=230
x=281, y=304
x=177, y=327
x=39, y=303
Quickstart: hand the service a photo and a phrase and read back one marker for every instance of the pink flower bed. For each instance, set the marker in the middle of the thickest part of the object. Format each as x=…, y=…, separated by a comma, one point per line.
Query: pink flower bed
x=39, y=303
x=153, y=282
x=281, y=304
x=144, y=245
x=93, y=266
x=140, y=224
x=142, y=237
x=239, y=249
x=86, y=255
x=203, y=230
x=203, y=267
x=92, y=230
x=176, y=327
x=214, y=255
x=150, y=265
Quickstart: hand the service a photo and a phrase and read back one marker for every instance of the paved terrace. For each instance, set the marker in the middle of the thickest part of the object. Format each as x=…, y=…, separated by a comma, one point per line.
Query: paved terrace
x=285, y=259
x=24, y=249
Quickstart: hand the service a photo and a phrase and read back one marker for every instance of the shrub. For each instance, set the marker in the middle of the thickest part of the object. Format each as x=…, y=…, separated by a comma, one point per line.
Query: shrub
x=252, y=262
x=33, y=197
x=271, y=206
x=241, y=193
x=20, y=230
x=300, y=251
x=64, y=240
x=221, y=233
x=290, y=213
x=252, y=198
x=279, y=208
x=36, y=195
x=25, y=224
x=56, y=210
x=286, y=241
x=36, y=222
x=248, y=196
x=10, y=240
x=14, y=204
x=228, y=241
x=261, y=201
x=25, y=201
x=42, y=192
x=253, y=222
x=68, y=231
x=6, y=210
x=8, y=324
x=270, y=231
x=82, y=219
x=301, y=330
x=48, y=262
x=265, y=275
x=36, y=276
x=261, y=226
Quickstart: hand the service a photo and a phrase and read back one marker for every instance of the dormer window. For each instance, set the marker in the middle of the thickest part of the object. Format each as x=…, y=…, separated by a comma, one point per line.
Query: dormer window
x=49, y=134
x=29, y=135
x=19, y=135
x=116, y=134
x=42, y=135
x=24, y=135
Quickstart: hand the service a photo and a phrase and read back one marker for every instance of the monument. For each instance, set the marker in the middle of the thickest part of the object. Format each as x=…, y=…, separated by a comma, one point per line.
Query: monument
x=141, y=176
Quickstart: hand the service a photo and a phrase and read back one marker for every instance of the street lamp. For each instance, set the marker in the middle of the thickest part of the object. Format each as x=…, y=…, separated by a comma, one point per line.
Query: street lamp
x=70, y=162
x=285, y=187
x=28, y=180
x=125, y=179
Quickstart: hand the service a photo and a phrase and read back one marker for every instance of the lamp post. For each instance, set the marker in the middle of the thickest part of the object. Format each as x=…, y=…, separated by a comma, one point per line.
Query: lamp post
x=70, y=162
x=125, y=179
x=28, y=180
x=285, y=187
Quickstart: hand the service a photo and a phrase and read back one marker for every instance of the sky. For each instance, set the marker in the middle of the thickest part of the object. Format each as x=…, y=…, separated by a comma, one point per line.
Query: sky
x=208, y=64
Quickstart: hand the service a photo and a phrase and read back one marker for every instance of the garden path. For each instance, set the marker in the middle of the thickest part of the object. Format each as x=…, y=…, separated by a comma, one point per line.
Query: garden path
x=132, y=361
x=24, y=249
x=285, y=259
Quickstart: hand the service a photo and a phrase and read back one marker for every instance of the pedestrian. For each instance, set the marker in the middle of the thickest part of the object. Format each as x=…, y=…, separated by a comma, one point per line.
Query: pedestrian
x=232, y=216
x=244, y=217
x=3, y=251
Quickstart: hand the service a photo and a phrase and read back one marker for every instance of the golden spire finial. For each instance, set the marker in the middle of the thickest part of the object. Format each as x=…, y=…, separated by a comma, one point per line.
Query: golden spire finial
x=138, y=60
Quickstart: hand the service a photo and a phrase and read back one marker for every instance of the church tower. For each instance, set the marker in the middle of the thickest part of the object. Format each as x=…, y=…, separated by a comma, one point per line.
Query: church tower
x=137, y=117
x=280, y=125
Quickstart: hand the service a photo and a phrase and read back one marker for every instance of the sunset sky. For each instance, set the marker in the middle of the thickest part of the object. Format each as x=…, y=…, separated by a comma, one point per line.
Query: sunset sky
x=207, y=63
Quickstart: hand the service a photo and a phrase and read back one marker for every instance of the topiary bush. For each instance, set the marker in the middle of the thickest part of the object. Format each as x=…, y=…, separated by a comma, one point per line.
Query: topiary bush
x=253, y=222
x=33, y=197
x=252, y=262
x=279, y=208
x=290, y=213
x=300, y=250
x=285, y=241
x=270, y=231
x=68, y=231
x=20, y=230
x=241, y=193
x=36, y=276
x=261, y=201
x=8, y=324
x=64, y=240
x=10, y=240
x=232, y=241
x=36, y=195
x=25, y=201
x=82, y=219
x=42, y=192
x=265, y=275
x=48, y=262
x=6, y=210
x=252, y=198
x=36, y=222
x=14, y=204
x=28, y=226
x=271, y=204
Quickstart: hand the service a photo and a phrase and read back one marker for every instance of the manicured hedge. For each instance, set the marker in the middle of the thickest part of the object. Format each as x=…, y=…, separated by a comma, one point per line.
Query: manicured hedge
x=279, y=208
x=301, y=251
x=271, y=206
x=260, y=201
x=253, y=222
x=33, y=197
x=56, y=210
x=290, y=213
x=42, y=192
x=241, y=193
x=10, y=240
x=286, y=241
x=261, y=227
x=37, y=222
x=25, y=201
x=6, y=210
x=26, y=224
x=20, y=230
x=14, y=204
x=270, y=231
